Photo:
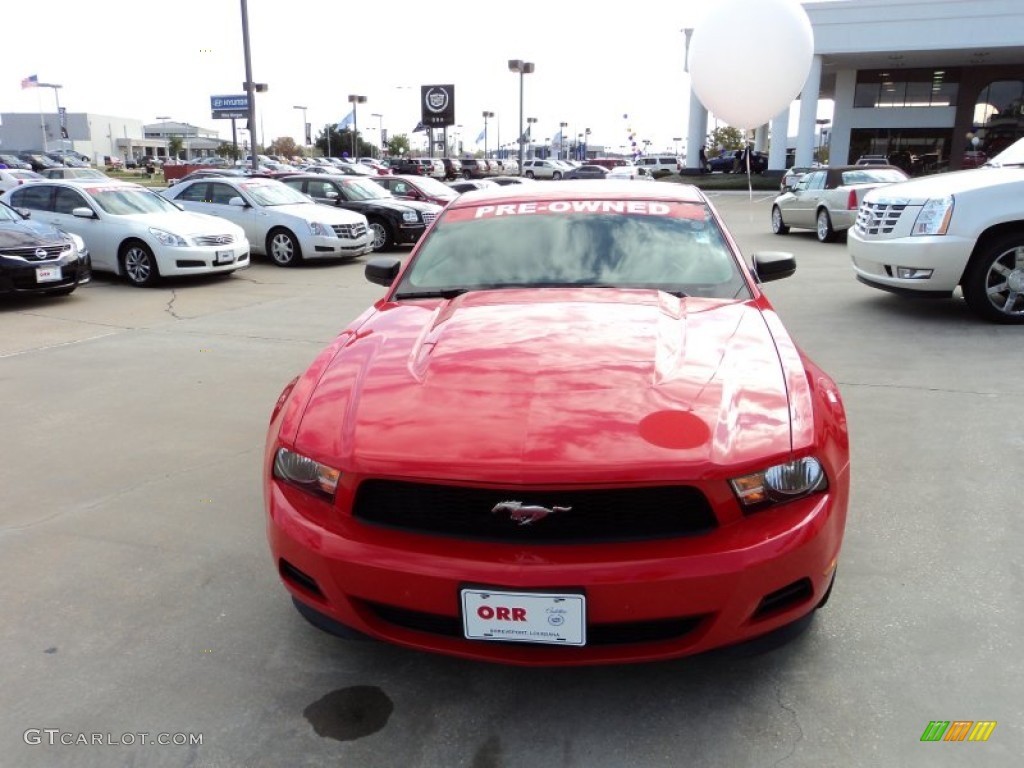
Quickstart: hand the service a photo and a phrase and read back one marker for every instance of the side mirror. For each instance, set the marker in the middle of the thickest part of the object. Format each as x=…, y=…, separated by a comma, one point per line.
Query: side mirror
x=25, y=213
x=83, y=213
x=773, y=265
x=238, y=201
x=382, y=270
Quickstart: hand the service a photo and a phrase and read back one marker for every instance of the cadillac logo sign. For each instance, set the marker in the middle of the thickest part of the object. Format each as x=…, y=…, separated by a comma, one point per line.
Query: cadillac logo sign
x=437, y=104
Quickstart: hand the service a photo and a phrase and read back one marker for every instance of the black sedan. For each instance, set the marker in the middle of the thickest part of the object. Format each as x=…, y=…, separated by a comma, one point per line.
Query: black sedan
x=587, y=172
x=37, y=258
x=392, y=221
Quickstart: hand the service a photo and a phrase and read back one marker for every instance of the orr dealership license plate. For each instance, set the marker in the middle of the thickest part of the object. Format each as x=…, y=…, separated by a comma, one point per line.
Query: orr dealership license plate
x=48, y=274
x=524, y=617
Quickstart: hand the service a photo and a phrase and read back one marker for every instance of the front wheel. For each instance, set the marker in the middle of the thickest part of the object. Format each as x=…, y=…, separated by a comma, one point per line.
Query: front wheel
x=556, y=176
x=529, y=174
x=283, y=248
x=380, y=233
x=778, y=225
x=993, y=285
x=139, y=265
x=824, y=227
x=467, y=175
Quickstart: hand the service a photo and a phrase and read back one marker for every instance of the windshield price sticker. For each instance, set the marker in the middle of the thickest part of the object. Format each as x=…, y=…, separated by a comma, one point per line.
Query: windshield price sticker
x=524, y=617
x=692, y=211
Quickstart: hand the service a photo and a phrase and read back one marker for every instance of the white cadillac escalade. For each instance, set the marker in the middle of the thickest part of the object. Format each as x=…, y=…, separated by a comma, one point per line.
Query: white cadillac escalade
x=927, y=236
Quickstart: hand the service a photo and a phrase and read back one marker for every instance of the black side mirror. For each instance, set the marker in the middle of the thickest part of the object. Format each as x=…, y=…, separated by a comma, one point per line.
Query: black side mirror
x=382, y=270
x=773, y=265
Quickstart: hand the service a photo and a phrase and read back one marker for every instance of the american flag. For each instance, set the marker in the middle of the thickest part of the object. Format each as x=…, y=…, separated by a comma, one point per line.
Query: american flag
x=30, y=82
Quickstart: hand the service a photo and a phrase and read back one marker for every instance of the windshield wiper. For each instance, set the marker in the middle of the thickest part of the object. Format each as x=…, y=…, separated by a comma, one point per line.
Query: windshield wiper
x=445, y=293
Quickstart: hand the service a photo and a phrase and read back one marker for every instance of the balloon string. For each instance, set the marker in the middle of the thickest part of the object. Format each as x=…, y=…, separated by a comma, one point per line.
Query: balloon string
x=750, y=183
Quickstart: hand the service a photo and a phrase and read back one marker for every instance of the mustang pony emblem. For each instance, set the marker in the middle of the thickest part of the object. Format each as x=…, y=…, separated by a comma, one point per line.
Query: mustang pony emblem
x=526, y=514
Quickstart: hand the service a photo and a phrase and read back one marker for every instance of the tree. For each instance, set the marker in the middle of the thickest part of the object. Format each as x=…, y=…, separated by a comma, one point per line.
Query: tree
x=229, y=150
x=174, y=146
x=398, y=145
x=286, y=146
x=341, y=143
x=725, y=137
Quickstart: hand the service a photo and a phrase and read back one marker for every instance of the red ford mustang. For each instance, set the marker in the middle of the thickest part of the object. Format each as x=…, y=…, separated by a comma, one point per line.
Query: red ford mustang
x=573, y=431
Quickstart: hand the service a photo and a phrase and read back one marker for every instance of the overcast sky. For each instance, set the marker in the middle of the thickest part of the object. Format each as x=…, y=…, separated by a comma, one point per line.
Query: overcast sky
x=145, y=59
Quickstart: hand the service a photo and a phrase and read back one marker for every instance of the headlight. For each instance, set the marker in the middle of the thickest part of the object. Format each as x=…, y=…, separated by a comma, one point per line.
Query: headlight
x=303, y=472
x=167, y=238
x=410, y=217
x=934, y=217
x=321, y=230
x=781, y=483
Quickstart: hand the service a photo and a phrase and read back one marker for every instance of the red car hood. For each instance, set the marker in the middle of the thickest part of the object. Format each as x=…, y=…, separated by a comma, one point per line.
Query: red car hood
x=594, y=385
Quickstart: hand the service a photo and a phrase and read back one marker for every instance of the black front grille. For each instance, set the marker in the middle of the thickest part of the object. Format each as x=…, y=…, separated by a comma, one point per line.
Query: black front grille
x=36, y=253
x=625, y=633
x=591, y=515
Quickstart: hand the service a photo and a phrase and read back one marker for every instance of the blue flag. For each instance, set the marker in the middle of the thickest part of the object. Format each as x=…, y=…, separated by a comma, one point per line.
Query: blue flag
x=480, y=138
x=419, y=127
x=346, y=121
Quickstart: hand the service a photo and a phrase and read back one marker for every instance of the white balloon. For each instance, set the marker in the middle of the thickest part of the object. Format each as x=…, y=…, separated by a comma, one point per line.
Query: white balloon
x=749, y=59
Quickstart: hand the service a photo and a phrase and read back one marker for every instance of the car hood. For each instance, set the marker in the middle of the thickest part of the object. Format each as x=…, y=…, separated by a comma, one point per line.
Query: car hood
x=28, y=233
x=317, y=212
x=918, y=191
x=184, y=223
x=593, y=384
x=400, y=206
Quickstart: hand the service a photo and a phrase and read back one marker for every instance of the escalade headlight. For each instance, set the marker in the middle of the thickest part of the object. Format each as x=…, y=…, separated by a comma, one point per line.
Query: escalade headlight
x=320, y=229
x=410, y=217
x=934, y=217
x=305, y=473
x=781, y=483
x=167, y=238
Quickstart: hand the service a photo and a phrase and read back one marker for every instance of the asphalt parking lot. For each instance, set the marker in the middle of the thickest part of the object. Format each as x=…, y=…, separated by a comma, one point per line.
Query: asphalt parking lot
x=140, y=597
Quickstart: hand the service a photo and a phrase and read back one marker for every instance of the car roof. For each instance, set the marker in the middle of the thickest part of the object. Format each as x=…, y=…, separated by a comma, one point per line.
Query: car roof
x=581, y=190
x=106, y=183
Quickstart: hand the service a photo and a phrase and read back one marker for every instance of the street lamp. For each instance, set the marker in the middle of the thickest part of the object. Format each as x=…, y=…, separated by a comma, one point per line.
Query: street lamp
x=305, y=126
x=561, y=140
x=486, y=115
x=355, y=101
x=586, y=141
x=60, y=122
x=380, y=130
x=167, y=142
x=523, y=68
x=531, y=121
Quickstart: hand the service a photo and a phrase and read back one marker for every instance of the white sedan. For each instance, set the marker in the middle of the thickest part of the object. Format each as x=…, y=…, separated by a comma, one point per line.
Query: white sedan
x=132, y=231
x=279, y=221
x=13, y=177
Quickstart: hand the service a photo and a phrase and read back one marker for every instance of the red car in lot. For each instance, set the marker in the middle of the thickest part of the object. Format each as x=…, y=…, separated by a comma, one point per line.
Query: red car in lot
x=572, y=431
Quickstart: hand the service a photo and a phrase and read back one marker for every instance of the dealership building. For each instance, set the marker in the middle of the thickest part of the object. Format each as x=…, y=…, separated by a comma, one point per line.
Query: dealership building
x=932, y=84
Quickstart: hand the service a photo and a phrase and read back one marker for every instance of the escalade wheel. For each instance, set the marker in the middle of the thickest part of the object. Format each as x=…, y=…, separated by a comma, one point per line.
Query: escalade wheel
x=993, y=284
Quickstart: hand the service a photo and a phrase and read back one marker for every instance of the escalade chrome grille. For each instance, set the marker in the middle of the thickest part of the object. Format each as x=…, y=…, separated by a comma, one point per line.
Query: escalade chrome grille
x=586, y=516
x=28, y=253
x=349, y=231
x=214, y=239
x=879, y=218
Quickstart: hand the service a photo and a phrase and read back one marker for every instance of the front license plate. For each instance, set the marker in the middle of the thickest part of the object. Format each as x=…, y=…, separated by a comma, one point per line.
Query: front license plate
x=225, y=257
x=48, y=274
x=524, y=617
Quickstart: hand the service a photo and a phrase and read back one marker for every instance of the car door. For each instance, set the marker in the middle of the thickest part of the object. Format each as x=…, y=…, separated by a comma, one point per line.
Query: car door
x=799, y=211
x=102, y=233
x=252, y=218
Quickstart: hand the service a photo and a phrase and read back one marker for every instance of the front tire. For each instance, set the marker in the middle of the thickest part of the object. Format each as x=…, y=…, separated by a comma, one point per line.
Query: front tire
x=529, y=174
x=824, y=227
x=993, y=285
x=139, y=265
x=283, y=248
x=556, y=176
x=380, y=233
x=778, y=225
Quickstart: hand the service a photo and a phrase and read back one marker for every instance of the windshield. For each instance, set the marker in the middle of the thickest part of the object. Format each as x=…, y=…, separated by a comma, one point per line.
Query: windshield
x=435, y=188
x=357, y=189
x=674, y=247
x=274, y=193
x=873, y=176
x=1012, y=155
x=126, y=201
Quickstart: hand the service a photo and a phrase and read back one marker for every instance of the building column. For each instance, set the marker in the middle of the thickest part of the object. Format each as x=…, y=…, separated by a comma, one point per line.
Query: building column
x=696, y=132
x=780, y=141
x=809, y=114
x=761, y=138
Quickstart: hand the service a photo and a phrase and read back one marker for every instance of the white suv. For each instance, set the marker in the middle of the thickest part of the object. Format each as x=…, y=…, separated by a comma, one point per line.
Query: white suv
x=926, y=236
x=659, y=165
x=542, y=169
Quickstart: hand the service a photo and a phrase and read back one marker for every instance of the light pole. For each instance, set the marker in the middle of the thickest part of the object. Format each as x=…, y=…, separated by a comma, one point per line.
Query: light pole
x=355, y=101
x=530, y=121
x=523, y=68
x=305, y=126
x=586, y=141
x=63, y=152
x=486, y=115
x=380, y=131
x=167, y=142
x=561, y=140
